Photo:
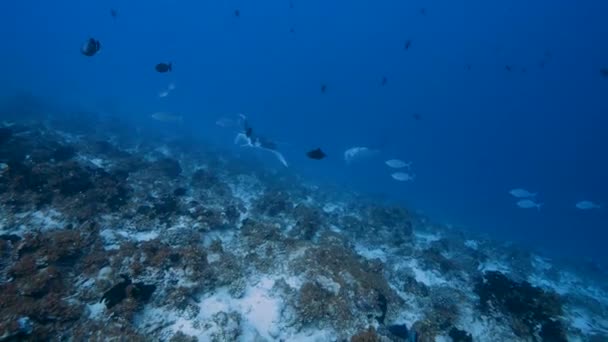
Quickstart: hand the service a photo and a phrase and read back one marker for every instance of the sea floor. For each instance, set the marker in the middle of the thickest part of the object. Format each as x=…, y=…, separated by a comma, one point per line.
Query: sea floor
x=124, y=237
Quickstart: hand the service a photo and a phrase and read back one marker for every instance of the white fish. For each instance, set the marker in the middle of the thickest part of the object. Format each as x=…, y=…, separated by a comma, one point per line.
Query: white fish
x=165, y=93
x=166, y=117
x=357, y=153
x=587, y=205
x=403, y=177
x=528, y=203
x=398, y=164
x=522, y=193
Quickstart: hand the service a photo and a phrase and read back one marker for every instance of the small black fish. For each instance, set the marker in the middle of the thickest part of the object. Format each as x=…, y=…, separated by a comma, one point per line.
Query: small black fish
x=417, y=117
x=407, y=44
x=468, y=66
x=323, y=88
x=604, y=72
x=237, y=13
x=316, y=154
x=423, y=11
x=291, y=4
x=384, y=81
x=90, y=47
x=508, y=67
x=113, y=13
x=292, y=30
x=164, y=67
x=248, y=132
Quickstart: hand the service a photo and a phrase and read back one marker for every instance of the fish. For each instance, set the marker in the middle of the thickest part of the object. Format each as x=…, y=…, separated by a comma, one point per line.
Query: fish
x=237, y=13
x=166, y=117
x=357, y=153
x=398, y=164
x=467, y=66
x=323, y=88
x=403, y=177
x=587, y=205
x=316, y=154
x=417, y=116
x=164, y=67
x=407, y=44
x=384, y=81
x=423, y=11
x=113, y=13
x=528, y=204
x=604, y=72
x=90, y=47
x=508, y=67
x=165, y=93
x=522, y=193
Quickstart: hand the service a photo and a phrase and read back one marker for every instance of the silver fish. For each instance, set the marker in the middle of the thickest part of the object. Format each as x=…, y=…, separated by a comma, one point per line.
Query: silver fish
x=166, y=117
x=528, y=204
x=403, y=177
x=587, y=205
x=522, y=193
x=398, y=164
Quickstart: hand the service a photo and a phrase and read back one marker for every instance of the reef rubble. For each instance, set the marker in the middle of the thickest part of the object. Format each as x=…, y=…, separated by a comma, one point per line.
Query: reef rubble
x=104, y=238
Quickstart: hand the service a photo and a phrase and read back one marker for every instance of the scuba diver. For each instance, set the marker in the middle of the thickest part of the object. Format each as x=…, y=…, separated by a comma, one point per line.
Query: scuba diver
x=247, y=138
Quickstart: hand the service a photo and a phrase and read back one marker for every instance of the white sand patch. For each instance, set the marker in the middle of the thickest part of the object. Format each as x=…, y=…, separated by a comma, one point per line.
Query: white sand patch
x=96, y=310
x=428, y=278
x=472, y=244
x=370, y=254
x=493, y=265
x=425, y=238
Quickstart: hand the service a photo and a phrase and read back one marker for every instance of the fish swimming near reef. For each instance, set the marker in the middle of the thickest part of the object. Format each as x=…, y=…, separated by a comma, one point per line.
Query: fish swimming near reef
x=403, y=177
x=90, y=47
x=358, y=153
x=587, y=205
x=522, y=193
x=316, y=154
x=166, y=92
x=166, y=117
x=398, y=164
x=528, y=204
x=164, y=67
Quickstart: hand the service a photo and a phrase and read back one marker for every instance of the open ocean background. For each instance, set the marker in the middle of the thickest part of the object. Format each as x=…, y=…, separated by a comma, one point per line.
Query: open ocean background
x=542, y=126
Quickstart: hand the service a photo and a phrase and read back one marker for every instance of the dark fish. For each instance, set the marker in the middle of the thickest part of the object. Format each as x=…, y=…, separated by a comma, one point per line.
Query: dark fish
x=604, y=72
x=90, y=47
x=113, y=13
x=417, y=117
x=237, y=13
x=508, y=67
x=407, y=44
x=468, y=66
x=292, y=30
x=248, y=132
x=423, y=11
x=323, y=88
x=164, y=67
x=384, y=81
x=316, y=154
x=291, y=4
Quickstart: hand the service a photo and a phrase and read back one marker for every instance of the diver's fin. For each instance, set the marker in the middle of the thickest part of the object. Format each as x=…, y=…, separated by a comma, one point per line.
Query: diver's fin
x=242, y=139
x=279, y=157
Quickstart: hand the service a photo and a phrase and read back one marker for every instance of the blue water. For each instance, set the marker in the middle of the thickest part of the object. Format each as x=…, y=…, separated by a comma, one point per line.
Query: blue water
x=482, y=131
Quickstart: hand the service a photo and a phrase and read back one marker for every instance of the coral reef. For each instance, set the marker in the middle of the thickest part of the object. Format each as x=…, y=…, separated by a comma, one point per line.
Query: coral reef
x=527, y=306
